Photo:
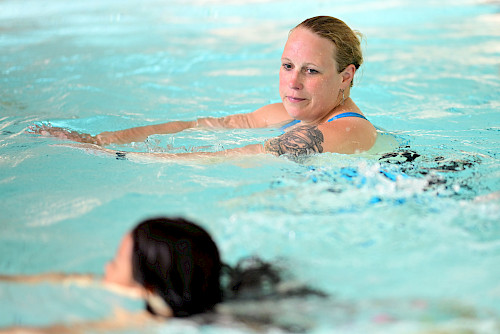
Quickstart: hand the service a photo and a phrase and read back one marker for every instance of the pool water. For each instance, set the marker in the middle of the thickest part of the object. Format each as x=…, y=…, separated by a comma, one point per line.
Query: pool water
x=404, y=238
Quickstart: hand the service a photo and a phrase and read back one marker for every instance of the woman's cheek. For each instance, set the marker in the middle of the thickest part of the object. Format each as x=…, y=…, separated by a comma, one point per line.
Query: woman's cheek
x=108, y=272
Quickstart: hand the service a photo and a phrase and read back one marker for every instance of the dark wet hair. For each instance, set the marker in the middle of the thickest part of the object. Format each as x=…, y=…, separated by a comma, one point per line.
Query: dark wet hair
x=178, y=261
x=254, y=279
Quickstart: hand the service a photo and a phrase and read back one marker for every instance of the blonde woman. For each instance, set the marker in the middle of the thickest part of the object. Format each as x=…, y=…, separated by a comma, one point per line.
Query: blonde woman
x=317, y=114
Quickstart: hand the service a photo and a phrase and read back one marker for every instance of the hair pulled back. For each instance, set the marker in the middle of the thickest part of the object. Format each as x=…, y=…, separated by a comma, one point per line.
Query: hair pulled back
x=347, y=41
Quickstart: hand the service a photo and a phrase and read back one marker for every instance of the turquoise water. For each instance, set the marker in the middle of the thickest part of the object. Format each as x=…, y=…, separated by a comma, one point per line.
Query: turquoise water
x=403, y=243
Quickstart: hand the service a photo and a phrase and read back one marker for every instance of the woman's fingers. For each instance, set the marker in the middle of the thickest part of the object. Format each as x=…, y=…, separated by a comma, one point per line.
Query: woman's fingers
x=49, y=131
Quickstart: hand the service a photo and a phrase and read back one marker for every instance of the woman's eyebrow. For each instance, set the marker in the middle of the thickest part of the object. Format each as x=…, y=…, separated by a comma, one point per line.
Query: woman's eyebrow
x=312, y=64
x=306, y=64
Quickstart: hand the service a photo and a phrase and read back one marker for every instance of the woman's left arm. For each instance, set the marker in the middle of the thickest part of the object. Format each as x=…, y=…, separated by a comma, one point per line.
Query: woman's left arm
x=302, y=140
x=120, y=320
x=121, y=155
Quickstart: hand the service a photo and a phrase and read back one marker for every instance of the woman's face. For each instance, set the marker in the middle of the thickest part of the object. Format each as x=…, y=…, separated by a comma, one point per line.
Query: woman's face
x=309, y=81
x=119, y=269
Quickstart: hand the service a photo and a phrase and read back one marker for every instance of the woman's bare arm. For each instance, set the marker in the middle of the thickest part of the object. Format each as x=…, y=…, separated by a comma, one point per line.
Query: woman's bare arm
x=266, y=116
x=141, y=133
x=49, y=277
x=121, y=319
x=78, y=279
x=137, y=134
x=263, y=117
x=146, y=156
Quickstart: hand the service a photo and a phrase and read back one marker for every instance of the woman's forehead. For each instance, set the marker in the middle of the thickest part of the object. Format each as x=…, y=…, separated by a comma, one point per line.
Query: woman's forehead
x=306, y=46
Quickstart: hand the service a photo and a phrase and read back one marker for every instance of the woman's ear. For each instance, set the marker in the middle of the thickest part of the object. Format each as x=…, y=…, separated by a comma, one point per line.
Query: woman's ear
x=348, y=75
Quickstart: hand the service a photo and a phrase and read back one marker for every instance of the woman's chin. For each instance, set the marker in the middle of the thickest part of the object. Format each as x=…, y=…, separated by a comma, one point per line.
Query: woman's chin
x=131, y=290
x=293, y=112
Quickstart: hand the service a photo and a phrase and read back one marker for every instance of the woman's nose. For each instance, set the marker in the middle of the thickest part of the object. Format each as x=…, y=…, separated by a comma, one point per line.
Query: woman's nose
x=295, y=80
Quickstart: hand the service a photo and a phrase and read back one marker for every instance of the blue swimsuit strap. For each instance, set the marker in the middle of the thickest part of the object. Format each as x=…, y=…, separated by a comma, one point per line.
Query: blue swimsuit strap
x=295, y=121
x=345, y=114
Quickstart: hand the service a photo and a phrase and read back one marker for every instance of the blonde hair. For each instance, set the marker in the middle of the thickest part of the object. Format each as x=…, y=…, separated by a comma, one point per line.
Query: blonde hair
x=347, y=41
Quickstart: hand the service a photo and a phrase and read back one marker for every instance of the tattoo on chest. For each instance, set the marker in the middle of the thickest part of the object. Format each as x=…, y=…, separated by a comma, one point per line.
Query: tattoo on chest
x=302, y=140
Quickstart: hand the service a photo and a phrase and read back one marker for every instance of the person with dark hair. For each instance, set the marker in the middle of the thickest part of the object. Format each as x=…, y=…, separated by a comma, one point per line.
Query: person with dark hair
x=171, y=260
x=175, y=266
x=316, y=113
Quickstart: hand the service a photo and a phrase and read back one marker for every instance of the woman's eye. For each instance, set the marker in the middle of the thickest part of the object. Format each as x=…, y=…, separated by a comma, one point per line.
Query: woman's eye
x=311, y=71
x=286, y=66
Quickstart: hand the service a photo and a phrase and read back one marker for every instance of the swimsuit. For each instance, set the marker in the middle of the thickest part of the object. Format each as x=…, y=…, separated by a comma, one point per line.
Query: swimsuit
x=345, y=114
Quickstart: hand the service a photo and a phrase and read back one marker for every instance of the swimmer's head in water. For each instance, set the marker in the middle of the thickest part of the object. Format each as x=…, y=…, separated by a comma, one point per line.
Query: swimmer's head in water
x=178, y=261
x=119, y=269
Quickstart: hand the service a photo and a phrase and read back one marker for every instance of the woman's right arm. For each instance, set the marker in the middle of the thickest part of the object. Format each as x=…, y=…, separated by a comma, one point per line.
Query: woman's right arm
x=266, y=116
x=120, y=320
x=263, y=117
x=49, y=277
x=136, y=134
x=141, y=133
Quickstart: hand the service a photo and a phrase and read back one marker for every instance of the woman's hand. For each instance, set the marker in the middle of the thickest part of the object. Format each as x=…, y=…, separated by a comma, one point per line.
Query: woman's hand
x=108, y=137
x=61, y=133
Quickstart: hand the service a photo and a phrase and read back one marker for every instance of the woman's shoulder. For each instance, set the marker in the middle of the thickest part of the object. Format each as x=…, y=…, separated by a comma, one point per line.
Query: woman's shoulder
x=350, y=134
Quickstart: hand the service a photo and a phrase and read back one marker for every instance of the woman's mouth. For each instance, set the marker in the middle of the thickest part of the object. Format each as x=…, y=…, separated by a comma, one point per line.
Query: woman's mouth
x=293, y=99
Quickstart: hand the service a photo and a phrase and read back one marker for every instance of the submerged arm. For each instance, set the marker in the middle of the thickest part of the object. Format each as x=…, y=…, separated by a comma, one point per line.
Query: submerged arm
x=67, y=278
x=49, y=277
x=263, y=117
x=302, y=140
x=141, y=133
x=138, y=134
x=121, y=155
x=121, y=320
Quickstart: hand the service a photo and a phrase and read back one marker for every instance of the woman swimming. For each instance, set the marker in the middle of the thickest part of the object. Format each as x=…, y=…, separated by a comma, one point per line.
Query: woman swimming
x=174, y=265
x=319, y=61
